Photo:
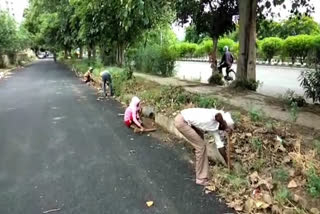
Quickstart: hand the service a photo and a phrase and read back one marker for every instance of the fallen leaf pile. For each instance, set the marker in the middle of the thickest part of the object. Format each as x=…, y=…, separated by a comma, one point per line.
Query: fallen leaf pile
x=269, y=170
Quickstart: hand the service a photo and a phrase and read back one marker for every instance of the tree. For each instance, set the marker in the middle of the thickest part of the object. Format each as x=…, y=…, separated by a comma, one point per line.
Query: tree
x=212, y=17
x=298, y=46
x=271, y=46
x=297, y=25
x=8, y=34
x=119, y=23
x=248, y=10
x=268, y=28
x=49, y=22
x=193, y=36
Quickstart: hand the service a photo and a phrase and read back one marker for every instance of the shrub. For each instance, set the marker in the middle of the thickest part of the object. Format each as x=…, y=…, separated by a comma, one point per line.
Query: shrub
x=184, y=49
x=290, y=97
x=225, y=42
x=156, y=60
x=120, y=80
x=298, y=46
x=316, y=146
x=310, y=81
x=270, y=47
x=281, y=175
x=206, y=46
x=283, y=195
x=207, y=102
x=216, y=79
x=235, y=50
x=313, y=183
x=256, y=114
x=246, y=84
x=314, y=54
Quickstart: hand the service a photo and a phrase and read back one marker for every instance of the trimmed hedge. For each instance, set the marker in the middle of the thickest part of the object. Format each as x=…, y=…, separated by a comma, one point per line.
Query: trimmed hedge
x=298, y=47
x=270, y=47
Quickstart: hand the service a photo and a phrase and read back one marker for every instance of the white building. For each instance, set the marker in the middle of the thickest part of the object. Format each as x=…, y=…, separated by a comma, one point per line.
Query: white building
x=7, y=5
x=14, y=7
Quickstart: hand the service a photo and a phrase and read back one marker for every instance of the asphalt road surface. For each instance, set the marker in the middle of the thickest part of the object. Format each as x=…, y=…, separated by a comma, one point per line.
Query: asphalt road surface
x=276, y=80
x=62, y=149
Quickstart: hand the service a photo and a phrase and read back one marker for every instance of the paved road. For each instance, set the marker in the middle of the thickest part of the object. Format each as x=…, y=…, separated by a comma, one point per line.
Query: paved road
x=276, y=79
x=60, y=148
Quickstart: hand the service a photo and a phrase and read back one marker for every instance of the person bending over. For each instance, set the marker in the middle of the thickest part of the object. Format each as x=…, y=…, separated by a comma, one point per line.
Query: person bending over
x=192, y=123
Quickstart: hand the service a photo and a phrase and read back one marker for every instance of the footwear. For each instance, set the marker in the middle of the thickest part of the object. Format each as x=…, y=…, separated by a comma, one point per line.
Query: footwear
x=224, y=154
x=202, y=182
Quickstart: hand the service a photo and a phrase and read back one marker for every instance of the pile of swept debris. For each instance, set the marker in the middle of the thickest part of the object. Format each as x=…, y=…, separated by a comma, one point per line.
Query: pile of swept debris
x=271, y=172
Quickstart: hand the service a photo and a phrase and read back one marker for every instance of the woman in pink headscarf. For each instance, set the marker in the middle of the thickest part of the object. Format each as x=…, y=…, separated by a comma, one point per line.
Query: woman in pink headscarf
x=131, y=115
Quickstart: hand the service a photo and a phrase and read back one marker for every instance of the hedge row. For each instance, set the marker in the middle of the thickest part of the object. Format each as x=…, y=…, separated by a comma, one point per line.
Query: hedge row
x=300, y=47
x=186, y=49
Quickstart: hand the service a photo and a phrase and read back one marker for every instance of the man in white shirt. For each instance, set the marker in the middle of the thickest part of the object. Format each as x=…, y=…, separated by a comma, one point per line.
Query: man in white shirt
x=192, y=123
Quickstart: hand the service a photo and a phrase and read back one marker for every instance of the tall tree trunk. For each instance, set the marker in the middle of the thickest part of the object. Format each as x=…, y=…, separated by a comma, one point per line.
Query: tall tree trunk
x=81, y=53
x=246, y=69
x=89, y=53
x=94, y=52
x=65, y=53
x=213, y=56
x=120, y=54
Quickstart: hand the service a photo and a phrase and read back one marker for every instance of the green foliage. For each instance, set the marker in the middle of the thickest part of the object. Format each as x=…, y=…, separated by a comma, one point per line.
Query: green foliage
x=225, y=42
x=271, y=46
x=185, y=49
x=280, y=175
x=291, y=97
x=207, y=102
x=204, y=48
x=313, y=183
x=235, y=50
x=298, y=46
x=299, y=25
x=8, y=32
x=236, y=181
x=258, y=164
x=236, y=116
x=310, y=81
x=216, y=79
x=112, y=26
x=12, y=38
x=246, y=84
x=257, y=144
x=155, y=59
x=293, y=26
x=214, y=21
x=268, y=28
x=294, y=111
x=316, y=145
x=192, y=35
x=283, y=195
x=120, y=80
x=256, y=115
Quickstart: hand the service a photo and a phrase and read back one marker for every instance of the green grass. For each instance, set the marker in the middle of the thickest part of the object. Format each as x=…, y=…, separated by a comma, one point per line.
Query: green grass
x=316, y=146
x=257, y=144
x=256, y=115
x=294, y=111
x=236, y=116
x=236, y=181
x=280, y=175
x=313, y=183
x=258, y=164
x=282, y=195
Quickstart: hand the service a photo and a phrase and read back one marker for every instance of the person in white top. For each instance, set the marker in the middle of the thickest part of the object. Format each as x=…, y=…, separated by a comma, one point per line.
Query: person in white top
x=192, y=123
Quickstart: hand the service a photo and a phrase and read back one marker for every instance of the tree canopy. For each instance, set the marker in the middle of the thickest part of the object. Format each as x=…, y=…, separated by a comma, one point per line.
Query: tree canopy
x=103, y=23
